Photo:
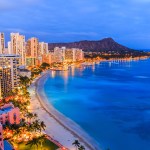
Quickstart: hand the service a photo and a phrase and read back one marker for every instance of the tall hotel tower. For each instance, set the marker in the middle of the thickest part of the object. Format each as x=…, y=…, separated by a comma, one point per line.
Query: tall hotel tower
x=43, y=48
x=59, y=54
x=9, y=78
x=32, y=47
x=18, y=47
x=2, y=43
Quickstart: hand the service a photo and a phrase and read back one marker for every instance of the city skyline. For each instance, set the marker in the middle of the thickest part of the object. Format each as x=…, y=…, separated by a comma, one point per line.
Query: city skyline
x=54, y=21
x=74, y=74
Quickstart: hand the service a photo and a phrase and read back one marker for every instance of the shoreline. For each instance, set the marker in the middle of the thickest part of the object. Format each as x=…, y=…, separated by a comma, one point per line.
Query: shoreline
x=74, y=130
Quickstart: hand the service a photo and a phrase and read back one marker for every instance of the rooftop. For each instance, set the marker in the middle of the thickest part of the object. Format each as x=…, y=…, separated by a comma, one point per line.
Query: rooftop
x=9, y=55
x=24, y=70
x=5, y=110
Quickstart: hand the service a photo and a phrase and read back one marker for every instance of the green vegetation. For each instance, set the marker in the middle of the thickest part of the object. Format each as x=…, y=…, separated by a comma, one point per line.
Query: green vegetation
x=44, y=66
x=36, y=145
x=35, y=72
x=78, y=146
x=24, y=81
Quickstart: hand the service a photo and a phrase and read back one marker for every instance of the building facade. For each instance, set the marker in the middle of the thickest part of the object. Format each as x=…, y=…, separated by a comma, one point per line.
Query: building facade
x=43, y=48
x=9, y=47
x=2, y=43
x=59, y=54
x=32, y=47
x=5, y=81
x=10, y=114
x=18, y=47
x=70, y=55
x=48, y=58
x=9, y=77
x=79, y=55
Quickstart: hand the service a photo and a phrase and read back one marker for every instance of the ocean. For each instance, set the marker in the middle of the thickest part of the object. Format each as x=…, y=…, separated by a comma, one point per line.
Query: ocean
x=110, y=101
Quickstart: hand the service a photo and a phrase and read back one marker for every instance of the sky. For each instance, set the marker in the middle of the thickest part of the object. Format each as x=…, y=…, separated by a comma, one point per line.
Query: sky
x=126, y=21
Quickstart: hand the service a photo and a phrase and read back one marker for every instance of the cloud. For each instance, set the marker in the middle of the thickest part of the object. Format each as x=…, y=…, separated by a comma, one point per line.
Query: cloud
x=141, y=1
x=19, y=4
x=15, y=30
x=6, y=4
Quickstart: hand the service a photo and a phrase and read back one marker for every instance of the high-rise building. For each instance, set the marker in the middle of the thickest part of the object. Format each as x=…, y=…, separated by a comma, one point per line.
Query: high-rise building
x=9, y=47
x=43, y=48
x=48, y=58
x=32, y=47
x=18, y=47
x=5, y=81
x=70, y=55
x=79, y=55
x=2, y=43
x=59, y=54
x=9, y=78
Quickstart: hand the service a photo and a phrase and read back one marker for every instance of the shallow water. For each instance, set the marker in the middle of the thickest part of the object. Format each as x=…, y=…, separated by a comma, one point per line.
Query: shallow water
x=110, y=101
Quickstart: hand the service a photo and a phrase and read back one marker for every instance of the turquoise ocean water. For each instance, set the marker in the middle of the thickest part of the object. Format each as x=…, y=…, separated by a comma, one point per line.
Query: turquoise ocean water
x=110, y=101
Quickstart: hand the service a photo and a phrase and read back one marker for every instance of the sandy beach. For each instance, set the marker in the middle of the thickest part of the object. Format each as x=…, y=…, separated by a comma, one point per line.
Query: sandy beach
x=59, y=127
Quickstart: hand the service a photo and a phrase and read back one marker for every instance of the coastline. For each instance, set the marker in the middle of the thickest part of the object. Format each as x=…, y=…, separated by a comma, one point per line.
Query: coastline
x=58, y=126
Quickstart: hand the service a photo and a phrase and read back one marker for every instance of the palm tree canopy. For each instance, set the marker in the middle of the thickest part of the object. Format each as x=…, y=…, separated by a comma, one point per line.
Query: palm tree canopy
x=81, y=147
x=76, y=143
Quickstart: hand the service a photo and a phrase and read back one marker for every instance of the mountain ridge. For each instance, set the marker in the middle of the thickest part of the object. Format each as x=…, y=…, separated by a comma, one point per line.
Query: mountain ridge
x=106, y=44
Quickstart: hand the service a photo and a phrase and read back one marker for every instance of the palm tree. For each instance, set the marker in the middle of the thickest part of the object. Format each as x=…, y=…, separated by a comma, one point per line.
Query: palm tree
x=23, y=123
x=29, y=116
x=76, y=144
x=35, y=115
x=81, y=148
x=42, y=124
x=44, y=66
x=36, y=125
x=24, y=80
x=30, y=128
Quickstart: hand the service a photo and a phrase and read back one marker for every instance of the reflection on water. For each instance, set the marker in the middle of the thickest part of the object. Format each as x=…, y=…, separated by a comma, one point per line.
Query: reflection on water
x=72, y=71
x=93, y=68
x=53, y=74
x=112, y=103
x=120, y=63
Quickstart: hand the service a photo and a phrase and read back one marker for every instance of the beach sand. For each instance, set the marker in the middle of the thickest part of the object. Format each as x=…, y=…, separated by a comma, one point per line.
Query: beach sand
x=59, y=127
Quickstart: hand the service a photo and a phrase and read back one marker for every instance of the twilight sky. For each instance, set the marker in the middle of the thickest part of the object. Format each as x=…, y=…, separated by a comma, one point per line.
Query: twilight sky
x=127, y=21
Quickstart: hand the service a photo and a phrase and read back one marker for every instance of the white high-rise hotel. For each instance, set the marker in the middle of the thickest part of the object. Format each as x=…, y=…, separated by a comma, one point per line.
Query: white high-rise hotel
x=17, y=47
x=2, y=43
x=43, y=48
x=68, y=55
